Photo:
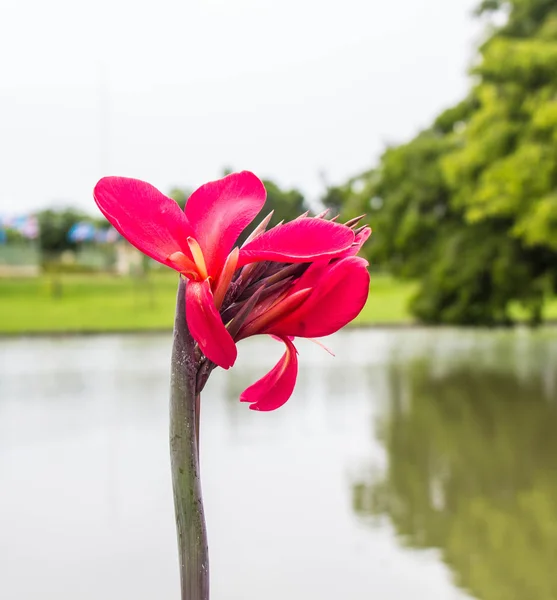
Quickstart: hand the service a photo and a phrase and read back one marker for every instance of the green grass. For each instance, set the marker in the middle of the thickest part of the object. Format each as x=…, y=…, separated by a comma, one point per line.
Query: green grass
x=550, y=311
x=92, y=303
x=87, y=303
x=387, y=302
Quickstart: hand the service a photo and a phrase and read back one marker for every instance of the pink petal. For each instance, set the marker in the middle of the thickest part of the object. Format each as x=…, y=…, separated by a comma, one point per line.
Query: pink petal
x=206, y=326
x=220, y=210
x=148, y=219
x=279, y=339
x=301, y=240
x=338, y=298
x=275, y=388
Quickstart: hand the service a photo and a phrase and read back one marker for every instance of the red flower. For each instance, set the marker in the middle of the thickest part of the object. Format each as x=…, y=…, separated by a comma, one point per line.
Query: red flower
x=199, y=243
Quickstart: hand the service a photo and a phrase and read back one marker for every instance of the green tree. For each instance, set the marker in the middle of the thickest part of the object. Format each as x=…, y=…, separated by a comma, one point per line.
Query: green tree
x=336, y=199
x=286, y=204
x=469, y=206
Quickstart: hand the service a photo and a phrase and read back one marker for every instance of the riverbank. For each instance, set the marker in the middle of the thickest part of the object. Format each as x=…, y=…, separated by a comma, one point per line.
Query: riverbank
x=104, y=303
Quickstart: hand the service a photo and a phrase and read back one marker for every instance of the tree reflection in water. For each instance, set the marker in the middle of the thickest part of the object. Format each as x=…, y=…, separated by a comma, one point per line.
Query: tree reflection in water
x=472, y=470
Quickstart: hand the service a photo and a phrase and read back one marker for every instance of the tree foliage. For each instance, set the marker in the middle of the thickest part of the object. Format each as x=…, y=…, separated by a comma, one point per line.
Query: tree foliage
x=469, y=206
x=286, y=204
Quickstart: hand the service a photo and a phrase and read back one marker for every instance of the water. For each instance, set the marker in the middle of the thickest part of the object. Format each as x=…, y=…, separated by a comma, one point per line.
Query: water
x=416, y=464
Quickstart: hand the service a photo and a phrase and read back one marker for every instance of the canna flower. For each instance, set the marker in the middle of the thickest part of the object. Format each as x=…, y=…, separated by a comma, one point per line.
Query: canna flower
x=298, y=279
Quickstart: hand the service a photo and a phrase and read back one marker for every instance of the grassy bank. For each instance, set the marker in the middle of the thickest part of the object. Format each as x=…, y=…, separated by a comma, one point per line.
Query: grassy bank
x=73, y=303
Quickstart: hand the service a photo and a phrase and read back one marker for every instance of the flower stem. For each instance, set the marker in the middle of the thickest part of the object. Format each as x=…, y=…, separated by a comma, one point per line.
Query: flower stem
x=184, y=453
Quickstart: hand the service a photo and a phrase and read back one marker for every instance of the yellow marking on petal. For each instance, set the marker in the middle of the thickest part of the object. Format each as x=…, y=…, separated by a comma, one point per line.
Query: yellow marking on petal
x=226, y=277
x=198, y=257
x=186, y=265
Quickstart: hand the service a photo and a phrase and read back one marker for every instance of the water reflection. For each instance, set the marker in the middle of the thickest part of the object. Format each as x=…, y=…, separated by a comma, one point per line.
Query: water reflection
x=439, y=438
x=472, y=463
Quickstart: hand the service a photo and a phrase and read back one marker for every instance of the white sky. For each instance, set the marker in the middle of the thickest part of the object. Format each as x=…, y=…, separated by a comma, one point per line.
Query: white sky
x=172, y=91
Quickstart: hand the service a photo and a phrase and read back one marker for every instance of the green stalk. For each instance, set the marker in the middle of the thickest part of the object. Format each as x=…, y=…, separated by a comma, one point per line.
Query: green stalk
x=184, y=444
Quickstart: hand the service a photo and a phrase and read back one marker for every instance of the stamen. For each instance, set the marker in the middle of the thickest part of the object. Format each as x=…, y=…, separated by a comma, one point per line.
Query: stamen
x=322, y=345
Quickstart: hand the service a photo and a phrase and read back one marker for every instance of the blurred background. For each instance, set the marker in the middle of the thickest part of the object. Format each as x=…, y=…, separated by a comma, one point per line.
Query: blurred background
x=418, y=463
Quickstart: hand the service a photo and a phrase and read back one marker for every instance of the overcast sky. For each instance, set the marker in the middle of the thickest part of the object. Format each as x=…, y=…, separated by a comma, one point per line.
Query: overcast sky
x=172, y=91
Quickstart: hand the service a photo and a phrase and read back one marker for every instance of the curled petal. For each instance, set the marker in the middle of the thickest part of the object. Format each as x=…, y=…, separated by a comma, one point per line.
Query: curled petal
x=220, y=210
x=338, y=298
x=148, y=219
x=275, y=388
x=206, y=326
x=302, y=240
